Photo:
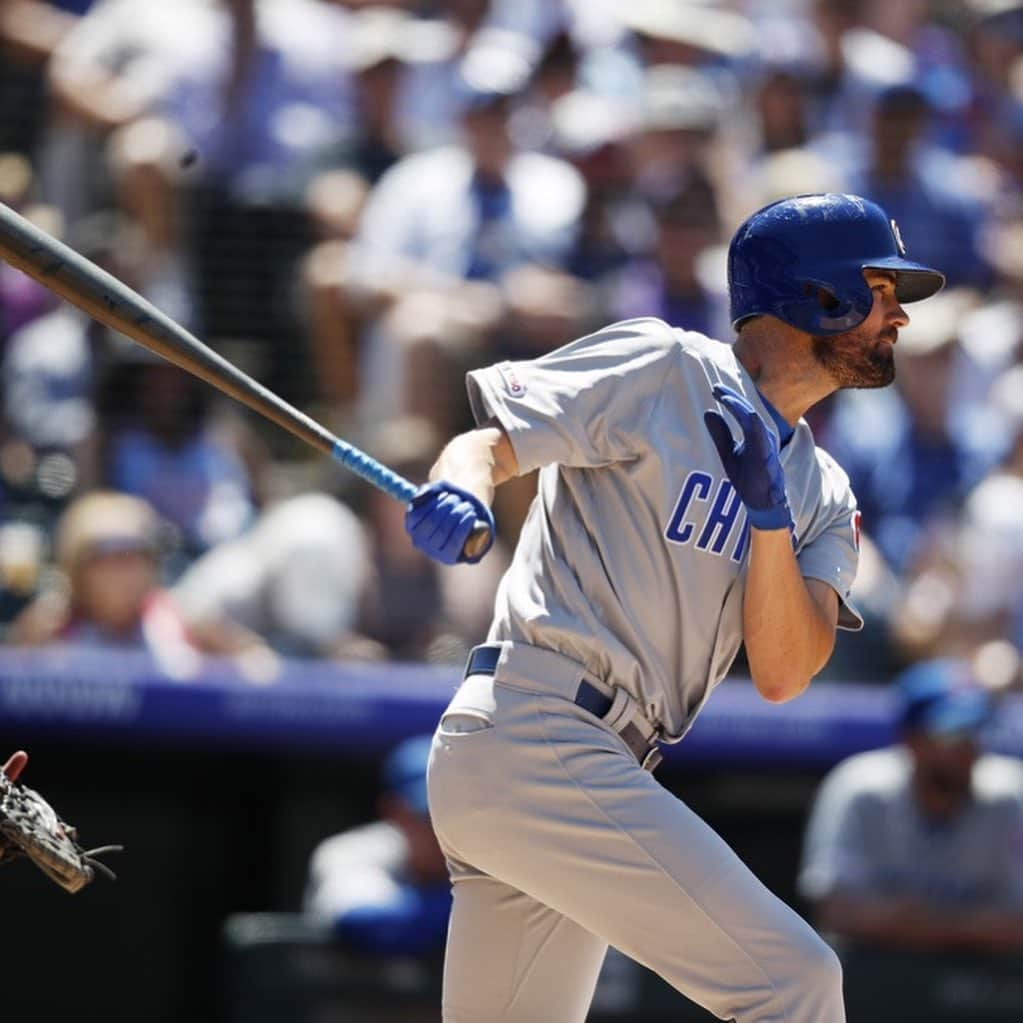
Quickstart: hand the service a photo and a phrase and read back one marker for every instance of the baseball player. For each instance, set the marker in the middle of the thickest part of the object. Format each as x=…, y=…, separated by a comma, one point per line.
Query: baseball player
x=682, y=510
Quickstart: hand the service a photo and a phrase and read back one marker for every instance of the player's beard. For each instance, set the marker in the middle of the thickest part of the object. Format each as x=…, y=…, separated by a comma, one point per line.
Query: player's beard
x=858, y=359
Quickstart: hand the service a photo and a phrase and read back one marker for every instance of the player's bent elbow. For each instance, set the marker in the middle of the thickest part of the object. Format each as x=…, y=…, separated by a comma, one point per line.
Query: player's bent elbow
x=779, y=687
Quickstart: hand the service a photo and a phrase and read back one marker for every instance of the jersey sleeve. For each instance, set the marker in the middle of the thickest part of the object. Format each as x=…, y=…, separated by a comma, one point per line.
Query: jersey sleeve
x=831, y=554
x=584, y=405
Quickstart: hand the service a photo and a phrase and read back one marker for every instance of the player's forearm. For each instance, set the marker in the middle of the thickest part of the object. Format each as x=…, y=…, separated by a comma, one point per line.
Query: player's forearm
x=788, y=635
x=478, y=461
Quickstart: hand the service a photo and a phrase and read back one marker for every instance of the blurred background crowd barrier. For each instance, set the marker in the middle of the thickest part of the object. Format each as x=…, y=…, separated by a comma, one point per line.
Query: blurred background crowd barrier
x=212, y=638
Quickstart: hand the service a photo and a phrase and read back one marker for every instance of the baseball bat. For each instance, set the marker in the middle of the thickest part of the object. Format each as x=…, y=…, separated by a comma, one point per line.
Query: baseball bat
x=82, y=283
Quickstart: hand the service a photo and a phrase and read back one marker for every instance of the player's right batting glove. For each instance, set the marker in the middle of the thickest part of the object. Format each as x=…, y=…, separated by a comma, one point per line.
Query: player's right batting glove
x=752, y=464
x=440, y=519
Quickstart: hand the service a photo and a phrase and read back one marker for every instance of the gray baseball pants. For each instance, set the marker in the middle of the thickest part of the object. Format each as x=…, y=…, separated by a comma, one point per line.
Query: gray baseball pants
x=560, y=844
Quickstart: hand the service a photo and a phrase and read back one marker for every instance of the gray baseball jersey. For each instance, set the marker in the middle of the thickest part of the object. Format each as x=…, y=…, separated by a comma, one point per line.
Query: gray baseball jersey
x=633, y=557
x=867, y=836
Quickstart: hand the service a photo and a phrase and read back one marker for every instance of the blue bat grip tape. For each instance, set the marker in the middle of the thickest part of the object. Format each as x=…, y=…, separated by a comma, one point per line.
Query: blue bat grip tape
x=373, y=472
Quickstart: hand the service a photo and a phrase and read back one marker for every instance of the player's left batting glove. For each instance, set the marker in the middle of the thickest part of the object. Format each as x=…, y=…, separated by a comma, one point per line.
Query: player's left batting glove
x=752, y=464
x=440, y=518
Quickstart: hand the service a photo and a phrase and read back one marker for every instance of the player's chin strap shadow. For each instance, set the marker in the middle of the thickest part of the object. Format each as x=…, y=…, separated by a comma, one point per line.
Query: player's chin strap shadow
x=89, y=858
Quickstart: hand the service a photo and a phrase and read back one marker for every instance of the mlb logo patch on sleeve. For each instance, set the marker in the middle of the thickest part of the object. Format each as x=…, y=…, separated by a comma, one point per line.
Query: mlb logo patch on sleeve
x=512, y=384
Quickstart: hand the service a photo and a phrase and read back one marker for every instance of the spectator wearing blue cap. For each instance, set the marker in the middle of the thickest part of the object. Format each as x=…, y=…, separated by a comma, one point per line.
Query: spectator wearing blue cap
x=921, y=845
x=384, y=885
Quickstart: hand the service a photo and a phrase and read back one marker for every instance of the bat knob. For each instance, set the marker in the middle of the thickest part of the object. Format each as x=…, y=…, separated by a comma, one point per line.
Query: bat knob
x=479, y=540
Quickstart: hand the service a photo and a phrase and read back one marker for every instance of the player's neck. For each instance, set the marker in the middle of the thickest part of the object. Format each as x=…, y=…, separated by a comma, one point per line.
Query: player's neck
x=783, y=369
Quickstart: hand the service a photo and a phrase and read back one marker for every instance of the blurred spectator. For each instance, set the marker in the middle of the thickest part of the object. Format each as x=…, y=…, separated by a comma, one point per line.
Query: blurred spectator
x=992, y=335
x=341, y=173
x=926, y=190
x=592, y=132
x=687, y=32
x=48, y=389
x=673, y=285
x=271, y=83
x=212, y=173
x=848, y=64
x=384, y=886
x=908, y=464
x=114, y=66
x=542, y=309
x=681, y=112
x=939, y=60
x=968, y=590
x=435, y=222
x=418, y=351
x=107, y=550
x=470, y=211
x=22, y=298
x=993, y=39
x=780, y=102
x=297, y=578
x=50, y=372
x=30, y=32
x=919, y=845
x=432, y=97
x=163, y=444
x=556, y=72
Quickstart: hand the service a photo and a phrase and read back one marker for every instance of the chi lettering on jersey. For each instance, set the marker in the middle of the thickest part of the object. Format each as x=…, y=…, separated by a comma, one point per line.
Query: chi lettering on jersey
x=710, y=516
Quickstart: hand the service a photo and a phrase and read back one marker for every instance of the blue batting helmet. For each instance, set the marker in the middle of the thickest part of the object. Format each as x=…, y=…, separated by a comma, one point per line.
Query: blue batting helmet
x=789, y=257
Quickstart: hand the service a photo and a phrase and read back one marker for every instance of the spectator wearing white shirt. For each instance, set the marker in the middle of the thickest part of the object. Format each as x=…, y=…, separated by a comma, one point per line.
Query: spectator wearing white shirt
x=445, y=222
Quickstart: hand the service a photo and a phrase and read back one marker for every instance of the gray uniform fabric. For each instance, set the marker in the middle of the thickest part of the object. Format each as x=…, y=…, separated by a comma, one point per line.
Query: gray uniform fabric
x=632, y=559
x=629, y=571
x=560, y=844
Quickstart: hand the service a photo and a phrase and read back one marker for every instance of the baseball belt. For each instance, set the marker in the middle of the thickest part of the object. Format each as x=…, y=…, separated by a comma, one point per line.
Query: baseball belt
x=483, y=661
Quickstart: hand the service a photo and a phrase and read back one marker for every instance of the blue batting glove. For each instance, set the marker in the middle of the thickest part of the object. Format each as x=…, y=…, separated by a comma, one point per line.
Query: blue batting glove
x=440, y=518
x=753, y=465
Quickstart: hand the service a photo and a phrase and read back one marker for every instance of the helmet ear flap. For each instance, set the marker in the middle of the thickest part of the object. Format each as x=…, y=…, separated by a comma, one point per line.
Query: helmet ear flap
x=832, y=307
x=818, y=308
x=826, y=298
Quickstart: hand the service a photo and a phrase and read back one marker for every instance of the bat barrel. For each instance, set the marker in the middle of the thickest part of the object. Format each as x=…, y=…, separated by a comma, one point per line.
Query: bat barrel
x=105, y=298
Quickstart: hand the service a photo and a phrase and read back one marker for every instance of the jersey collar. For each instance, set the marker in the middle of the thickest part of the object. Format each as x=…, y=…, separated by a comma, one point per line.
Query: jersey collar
x=785, y=429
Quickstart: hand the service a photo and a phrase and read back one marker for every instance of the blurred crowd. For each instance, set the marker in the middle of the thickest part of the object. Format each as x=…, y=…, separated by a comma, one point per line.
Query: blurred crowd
x=357, y=202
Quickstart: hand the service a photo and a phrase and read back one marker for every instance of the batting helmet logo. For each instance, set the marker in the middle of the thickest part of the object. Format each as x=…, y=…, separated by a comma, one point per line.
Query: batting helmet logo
x=898, y=238
x=802, y=260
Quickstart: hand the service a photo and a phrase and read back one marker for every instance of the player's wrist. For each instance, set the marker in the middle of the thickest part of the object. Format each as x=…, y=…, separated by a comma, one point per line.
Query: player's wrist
x=769, y=519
